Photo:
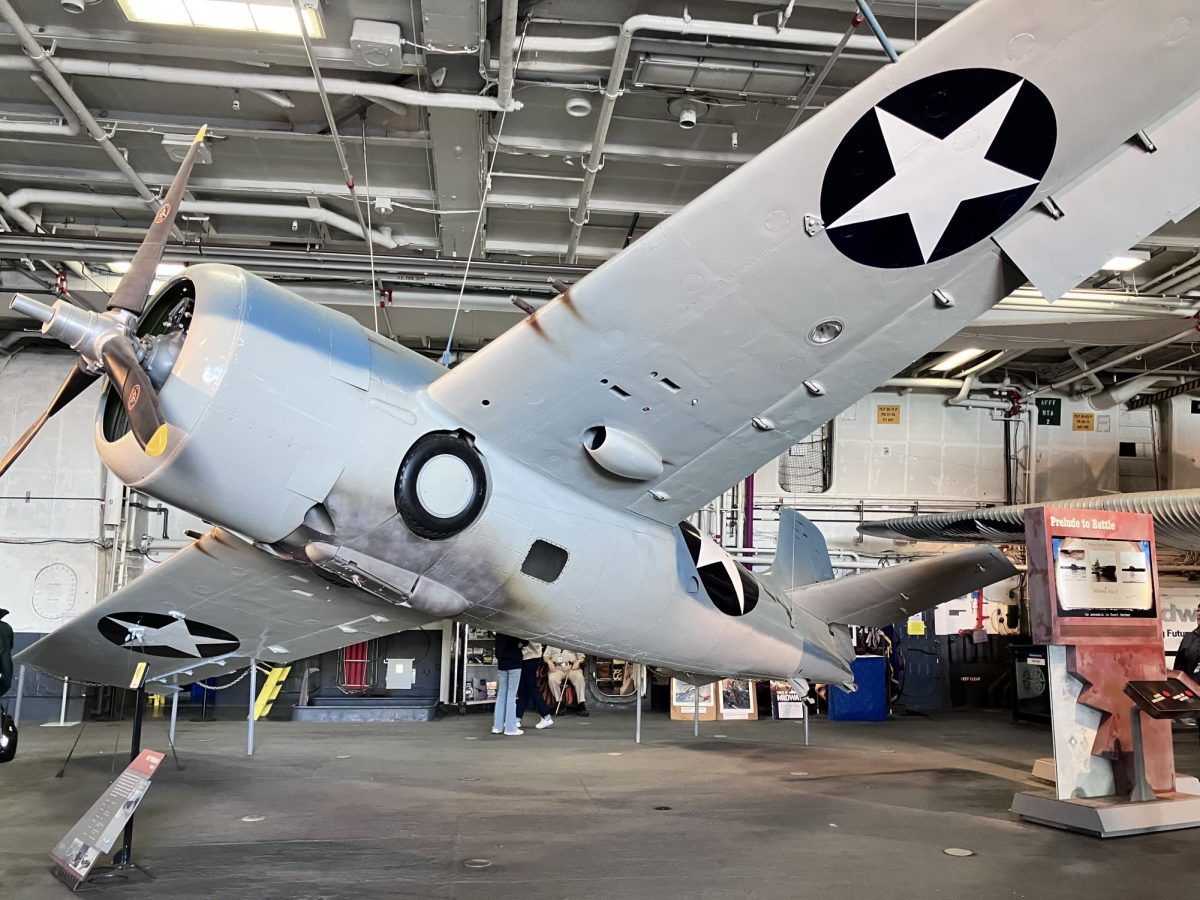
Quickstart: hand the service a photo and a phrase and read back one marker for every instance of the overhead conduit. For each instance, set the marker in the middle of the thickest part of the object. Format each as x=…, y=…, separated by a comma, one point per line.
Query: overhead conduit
x=256, y=81
x=18, y=200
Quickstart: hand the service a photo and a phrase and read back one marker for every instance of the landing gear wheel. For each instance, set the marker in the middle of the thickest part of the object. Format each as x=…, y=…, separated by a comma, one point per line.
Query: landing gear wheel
x=441, y=486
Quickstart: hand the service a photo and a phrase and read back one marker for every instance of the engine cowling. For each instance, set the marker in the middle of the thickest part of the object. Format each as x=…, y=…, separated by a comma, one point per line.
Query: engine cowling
x=264, y=399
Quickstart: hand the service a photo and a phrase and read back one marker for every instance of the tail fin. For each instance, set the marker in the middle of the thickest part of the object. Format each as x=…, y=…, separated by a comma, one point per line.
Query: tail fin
x=801, y=556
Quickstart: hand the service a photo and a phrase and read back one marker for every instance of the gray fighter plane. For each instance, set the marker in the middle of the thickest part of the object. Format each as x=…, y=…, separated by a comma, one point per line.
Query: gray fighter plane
x=539, y=487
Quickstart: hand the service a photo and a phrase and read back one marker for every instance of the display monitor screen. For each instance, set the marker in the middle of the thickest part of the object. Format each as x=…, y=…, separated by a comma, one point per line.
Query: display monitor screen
x=1103, y=578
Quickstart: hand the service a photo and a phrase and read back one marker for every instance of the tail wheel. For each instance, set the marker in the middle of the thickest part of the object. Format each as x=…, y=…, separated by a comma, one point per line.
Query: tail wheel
x=441, y=486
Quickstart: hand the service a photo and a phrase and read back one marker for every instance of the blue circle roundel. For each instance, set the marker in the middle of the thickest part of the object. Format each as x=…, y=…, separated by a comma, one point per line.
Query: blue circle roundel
x=936, y=167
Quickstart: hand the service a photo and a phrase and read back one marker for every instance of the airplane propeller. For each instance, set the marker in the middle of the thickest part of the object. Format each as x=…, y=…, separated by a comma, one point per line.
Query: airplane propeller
x=106, y=342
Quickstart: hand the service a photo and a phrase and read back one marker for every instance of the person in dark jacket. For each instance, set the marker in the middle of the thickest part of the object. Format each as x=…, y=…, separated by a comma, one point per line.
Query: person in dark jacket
x=530, y=693
x=508, y=661
x=6, y=646
x=1187, y=657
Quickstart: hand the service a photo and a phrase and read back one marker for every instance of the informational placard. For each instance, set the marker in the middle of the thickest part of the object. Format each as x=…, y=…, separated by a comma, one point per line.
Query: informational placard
x=786, y=701
x=738, y=700
x=1103, y=578
x=683, y=701
x=1083, y=421
x=1049, y=410
x=98, y=830
x=887, y=414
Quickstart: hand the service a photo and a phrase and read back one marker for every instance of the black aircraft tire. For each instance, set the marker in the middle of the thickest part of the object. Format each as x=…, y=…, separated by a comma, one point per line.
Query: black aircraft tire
x=421, y=520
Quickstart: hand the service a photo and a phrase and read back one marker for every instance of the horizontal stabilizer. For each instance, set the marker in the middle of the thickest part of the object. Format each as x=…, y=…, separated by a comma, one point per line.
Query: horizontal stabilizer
x=887, y=595
x=209, y=610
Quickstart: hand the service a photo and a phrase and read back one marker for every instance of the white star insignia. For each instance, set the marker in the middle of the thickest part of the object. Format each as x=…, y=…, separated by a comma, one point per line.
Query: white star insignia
x=934, y=175
x=176, y=635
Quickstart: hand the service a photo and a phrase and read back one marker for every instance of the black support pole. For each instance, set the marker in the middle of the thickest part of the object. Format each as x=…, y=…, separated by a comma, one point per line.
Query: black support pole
x=124, y=856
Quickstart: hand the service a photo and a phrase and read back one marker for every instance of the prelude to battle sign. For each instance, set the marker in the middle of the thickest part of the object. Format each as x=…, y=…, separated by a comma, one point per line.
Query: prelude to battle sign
x=100, y=826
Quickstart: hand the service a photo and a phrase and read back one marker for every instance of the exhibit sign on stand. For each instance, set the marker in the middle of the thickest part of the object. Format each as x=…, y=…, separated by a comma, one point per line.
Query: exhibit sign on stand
x=1093, y=596
x=95, y=833
x=737, y=700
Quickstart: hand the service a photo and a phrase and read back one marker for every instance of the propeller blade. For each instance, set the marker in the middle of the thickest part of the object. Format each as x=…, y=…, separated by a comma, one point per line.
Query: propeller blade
x=145, y=413
x=134, y=289
x=75, y=384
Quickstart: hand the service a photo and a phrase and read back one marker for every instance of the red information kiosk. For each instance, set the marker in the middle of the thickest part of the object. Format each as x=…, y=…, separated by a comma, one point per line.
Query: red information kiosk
x=1093, y=597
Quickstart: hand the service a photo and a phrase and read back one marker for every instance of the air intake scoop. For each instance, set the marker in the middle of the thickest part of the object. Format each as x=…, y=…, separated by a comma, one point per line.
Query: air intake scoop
x=622, y=454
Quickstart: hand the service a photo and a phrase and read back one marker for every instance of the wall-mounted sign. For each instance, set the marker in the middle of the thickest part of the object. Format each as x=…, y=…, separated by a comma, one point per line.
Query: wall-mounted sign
x=1083, y=421
x=1196, y=407
x=1049, y=410
x=887, y=414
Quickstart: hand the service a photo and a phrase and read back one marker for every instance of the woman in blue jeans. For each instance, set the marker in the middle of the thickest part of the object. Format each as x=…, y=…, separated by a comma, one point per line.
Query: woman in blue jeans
x=508, y=661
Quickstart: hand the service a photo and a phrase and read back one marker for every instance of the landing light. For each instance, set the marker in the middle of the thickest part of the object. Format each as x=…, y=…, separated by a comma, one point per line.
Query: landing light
x=956, y=359
x=1126, y=262
x=266, y=16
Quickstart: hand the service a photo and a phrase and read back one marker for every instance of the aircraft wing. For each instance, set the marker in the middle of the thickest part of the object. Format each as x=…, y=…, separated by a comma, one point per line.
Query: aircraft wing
x=856, y=243
x=1176, y=519
x=887, y=595
x=208, y=610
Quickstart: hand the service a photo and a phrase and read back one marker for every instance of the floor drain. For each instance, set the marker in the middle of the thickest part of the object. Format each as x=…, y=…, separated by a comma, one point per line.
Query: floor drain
x=958, y=851
x=477, y=863
x=251, y=819
x=662, y=808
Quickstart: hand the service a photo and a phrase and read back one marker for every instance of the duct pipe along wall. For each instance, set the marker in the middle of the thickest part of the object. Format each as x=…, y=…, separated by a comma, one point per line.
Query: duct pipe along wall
x=616, y=75
x=367, y=90
x=26, y=196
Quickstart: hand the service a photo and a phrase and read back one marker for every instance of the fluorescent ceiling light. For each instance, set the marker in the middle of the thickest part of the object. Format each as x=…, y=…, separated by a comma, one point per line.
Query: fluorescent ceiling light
x=164, y=270
x=956, y=359
x=1126, y=261
x=264, y=16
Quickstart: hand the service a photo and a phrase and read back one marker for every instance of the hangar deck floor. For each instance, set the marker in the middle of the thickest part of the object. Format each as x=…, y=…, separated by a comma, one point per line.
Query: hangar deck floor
x=396, y=810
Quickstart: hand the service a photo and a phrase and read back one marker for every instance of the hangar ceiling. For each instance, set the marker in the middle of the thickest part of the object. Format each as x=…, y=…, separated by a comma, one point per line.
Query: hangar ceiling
x=412, y=90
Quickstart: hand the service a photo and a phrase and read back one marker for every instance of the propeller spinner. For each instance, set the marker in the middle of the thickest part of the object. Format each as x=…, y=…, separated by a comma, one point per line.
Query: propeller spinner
x=106, y=342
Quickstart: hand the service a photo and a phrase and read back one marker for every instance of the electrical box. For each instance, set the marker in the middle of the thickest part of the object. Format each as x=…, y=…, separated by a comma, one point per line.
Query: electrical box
x=400, y=675
x=376, y=45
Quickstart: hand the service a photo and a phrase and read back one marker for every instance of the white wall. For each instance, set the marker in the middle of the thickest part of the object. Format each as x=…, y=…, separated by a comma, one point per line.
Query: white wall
x=49, y=560
x=1181, y=459
x=1072, y=463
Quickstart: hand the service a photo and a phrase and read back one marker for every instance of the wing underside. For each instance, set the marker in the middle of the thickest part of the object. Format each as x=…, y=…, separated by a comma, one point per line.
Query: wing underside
x=208, y=610
x=768, y=305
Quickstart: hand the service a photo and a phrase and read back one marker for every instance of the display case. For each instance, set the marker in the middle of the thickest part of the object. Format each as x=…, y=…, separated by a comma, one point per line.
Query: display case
x=475, y=657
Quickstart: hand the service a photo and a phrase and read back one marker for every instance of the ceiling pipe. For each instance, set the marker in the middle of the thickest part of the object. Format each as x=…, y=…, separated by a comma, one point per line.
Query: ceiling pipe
x=1078, y=359
x=616, y=74
x=508, y=42
x=367, y=90
x=1124, y=358
x=68, y=127
x=1191, y=385
x=1168, y=276
x=280, y=100
x=963, y=386
x=1126, y=390
x=18, y=200
x=40, y=59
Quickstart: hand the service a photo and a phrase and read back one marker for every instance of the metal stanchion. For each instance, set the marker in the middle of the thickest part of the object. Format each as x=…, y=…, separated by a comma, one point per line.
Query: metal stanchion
x=174, y=715
x=253, y=697
x=696, y=713
x=20, y=695
x=641, y=686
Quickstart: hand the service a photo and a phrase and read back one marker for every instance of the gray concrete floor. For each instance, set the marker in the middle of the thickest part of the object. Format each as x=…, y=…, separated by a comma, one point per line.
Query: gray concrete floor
x=397, y=810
